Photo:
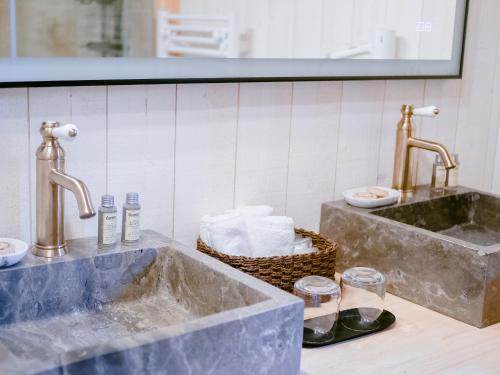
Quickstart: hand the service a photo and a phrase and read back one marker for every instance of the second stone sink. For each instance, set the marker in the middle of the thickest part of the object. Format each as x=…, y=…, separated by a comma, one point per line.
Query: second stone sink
x=152, y=308
x=470, y=216
x=442, y=252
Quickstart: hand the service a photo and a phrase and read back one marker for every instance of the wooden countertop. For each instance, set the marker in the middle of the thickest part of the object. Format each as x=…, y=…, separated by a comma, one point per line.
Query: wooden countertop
x=420, y=342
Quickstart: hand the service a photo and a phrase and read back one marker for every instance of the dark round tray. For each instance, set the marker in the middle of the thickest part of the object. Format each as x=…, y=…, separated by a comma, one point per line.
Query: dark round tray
x=347, y=329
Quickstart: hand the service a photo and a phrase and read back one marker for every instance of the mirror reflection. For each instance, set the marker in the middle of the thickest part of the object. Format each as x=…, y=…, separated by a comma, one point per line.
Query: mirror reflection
x=316, y=29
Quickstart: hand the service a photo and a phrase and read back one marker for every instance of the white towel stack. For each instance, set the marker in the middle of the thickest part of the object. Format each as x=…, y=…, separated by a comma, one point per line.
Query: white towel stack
x=226, y=233
x=271, y=236
x=249, y=231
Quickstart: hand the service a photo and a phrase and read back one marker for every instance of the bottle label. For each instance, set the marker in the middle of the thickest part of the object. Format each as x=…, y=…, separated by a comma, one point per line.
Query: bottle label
x=108, y=228
x=132, y=225
x=440, y=177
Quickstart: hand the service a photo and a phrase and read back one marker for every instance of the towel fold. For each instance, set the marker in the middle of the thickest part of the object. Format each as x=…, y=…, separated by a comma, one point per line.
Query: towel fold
x=253, y=214
x=302, y=245
x=227, y=233
x=250, y=231
x=271, y=236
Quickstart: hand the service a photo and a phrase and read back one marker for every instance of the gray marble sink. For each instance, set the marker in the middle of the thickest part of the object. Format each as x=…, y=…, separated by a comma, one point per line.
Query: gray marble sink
x=473, y=217
x=157, y=307
x=440, y=251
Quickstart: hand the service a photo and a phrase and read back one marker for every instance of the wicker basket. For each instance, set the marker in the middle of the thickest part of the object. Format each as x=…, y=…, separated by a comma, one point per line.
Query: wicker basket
x=283, y=271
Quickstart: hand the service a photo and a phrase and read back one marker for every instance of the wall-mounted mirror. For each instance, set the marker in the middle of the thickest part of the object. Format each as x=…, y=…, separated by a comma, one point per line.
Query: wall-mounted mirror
x=91, y=40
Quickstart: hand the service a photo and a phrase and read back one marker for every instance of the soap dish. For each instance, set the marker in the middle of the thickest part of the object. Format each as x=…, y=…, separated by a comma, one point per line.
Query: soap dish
x=352, y=198
x=11, y=251
x=343, y=333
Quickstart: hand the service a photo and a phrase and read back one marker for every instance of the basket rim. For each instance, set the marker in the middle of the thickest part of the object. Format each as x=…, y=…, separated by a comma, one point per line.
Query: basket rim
x=330, y=246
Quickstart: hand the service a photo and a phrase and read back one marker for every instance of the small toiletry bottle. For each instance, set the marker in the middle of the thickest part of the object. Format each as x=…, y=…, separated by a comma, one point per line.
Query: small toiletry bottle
x=131, y=219
x=106, y=234
x=438, y=175
x=453, y=174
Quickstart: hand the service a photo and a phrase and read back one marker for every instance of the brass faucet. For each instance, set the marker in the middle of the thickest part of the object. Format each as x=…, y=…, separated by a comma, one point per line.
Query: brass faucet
x=50, y=184
x=406, y=143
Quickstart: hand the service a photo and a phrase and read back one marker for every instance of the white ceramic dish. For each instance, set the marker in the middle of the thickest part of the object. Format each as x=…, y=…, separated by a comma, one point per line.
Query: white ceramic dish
x=11, y=251
x=350, y=198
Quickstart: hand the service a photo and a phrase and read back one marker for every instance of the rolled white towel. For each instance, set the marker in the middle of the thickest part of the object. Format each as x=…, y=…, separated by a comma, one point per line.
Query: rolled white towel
x=271, y=236
x=251, y=214
x=226, y=233
x=204, y=233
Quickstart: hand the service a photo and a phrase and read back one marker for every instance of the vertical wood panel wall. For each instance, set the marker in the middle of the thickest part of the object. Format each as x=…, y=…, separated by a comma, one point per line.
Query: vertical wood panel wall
x=198, y=149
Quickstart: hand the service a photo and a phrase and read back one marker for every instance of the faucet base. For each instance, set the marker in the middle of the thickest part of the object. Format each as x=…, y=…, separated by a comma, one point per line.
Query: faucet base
x=405, y=194
x=49, y=251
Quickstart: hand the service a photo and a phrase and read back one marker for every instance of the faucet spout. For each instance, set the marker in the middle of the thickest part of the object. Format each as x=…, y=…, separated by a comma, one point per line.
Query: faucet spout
x=78, y=188
x=435, y=147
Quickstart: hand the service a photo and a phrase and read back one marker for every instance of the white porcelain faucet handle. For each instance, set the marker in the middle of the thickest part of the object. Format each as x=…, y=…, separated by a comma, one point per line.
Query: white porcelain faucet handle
x=430, y=111
x=67, y=132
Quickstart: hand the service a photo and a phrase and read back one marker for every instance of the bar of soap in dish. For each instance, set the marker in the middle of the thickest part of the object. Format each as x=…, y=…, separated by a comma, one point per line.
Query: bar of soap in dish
x=378, y=192
x=365, y=195
x=371, y=197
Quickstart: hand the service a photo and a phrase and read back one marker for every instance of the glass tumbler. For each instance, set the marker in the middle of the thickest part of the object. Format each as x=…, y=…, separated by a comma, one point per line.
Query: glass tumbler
x=321, y=303
x=363, y=291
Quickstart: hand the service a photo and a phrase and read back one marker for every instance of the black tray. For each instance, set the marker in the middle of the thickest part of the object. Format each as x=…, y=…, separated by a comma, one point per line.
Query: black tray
x=343, y=332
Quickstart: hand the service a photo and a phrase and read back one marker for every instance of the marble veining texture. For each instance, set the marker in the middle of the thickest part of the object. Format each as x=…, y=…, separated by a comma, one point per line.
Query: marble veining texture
x=156, y=307
x=425, y=257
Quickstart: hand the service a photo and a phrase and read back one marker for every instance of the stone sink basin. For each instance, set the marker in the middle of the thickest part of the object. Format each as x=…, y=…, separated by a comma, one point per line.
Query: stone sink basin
x=442, y=252
x=157, y=307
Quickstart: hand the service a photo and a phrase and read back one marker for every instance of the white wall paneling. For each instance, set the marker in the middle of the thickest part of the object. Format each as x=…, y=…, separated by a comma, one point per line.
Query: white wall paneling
x=158, y=199
x=205, y=154
x=359, y=134
x=86, y=156
x=263, y=144
x=493, y=152
x=476, y=97
x=495, y=123
x=313, y=149
x=198, y=149
x=15, y=219
x=141, y=135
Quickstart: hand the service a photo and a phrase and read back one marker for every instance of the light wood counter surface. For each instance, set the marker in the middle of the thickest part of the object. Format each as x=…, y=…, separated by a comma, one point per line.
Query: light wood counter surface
x=420, y=342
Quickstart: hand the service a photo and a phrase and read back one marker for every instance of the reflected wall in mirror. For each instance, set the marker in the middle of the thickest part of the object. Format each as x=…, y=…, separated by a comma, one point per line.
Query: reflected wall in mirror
x=291, y=29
